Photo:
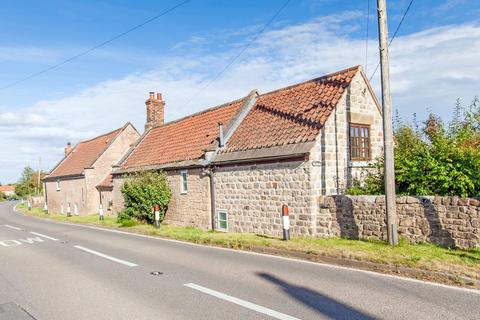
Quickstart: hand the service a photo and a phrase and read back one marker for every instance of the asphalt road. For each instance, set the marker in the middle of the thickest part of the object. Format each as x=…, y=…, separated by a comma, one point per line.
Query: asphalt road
x=51, y=270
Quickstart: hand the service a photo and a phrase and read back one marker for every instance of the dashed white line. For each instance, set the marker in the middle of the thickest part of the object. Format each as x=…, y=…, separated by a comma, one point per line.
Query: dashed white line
x=44, y=236
x=240, y=302
x=127, y=263
x=12, y=227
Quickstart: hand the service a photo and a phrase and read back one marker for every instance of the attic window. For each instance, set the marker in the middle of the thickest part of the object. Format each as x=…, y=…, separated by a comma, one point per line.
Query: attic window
x=58, y=185
x=360, y=142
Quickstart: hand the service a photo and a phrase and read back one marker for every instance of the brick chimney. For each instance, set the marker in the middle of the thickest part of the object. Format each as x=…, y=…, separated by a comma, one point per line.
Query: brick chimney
x=68, y=149
x=155, y=110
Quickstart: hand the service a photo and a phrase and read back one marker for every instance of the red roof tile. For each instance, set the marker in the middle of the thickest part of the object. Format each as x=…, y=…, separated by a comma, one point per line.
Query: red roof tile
x=84, y=155
x=106, y=183
x=8, y=188
x=184, y=139
x=291, y=115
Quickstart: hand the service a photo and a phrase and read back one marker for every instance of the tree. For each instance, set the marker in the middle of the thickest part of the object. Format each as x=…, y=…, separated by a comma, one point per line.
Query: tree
x=28, y=183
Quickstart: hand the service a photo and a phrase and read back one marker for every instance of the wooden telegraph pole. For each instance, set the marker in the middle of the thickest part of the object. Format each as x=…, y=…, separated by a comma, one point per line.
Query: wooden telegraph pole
x=390, y=202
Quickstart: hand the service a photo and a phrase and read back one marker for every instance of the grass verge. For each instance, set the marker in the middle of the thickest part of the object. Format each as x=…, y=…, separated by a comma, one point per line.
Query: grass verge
x=452, y=266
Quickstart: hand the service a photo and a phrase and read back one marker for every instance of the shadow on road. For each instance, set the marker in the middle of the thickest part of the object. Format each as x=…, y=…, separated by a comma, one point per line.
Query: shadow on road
x=319, y=302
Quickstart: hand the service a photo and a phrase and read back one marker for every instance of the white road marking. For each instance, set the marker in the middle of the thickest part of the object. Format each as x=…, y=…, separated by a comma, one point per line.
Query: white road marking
x=10, y=243
x=266, y=255
x=240, y=302
x=44, y=236
x=31, y=240
x=129, y=264
x=12, y=227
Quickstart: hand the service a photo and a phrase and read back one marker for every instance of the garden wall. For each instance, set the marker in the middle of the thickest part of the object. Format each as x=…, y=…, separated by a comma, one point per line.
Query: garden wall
x=447, y=221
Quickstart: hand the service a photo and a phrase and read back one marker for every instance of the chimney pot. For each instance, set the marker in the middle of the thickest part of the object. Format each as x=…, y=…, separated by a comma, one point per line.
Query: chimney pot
x=159, y=96
x=68, y=149
x=152, y=95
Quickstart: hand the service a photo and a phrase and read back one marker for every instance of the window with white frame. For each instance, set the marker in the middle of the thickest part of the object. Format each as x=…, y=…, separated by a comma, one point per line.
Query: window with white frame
x=222, y=220
x=58, y=185
x=183, y=181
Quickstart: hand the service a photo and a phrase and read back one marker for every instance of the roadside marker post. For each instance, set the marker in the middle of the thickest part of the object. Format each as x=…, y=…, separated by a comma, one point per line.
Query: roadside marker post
x=69, y=211
x=156, y=209
x=102, y=217
x=45, y=208
x=286, y=223
x=29, y=206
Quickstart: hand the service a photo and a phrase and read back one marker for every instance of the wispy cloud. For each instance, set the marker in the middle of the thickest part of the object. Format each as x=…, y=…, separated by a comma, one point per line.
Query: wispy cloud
x=429, y=69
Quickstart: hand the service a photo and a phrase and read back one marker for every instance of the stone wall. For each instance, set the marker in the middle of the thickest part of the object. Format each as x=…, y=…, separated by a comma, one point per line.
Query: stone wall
x=185, y=209
x=447, y=221
x=331, y=167
x=253, y=196
x=193, y=207
x=71, y=191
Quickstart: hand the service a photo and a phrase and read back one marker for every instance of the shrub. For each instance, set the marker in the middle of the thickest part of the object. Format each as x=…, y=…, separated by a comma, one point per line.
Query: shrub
x=434, y=159
x=141, y=191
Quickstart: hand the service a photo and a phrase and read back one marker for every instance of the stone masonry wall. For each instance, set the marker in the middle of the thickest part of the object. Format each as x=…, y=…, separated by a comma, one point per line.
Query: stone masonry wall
x=71, y=191
x=185, y=209
x=193, y=207
x=446, y=221
x=253, y=195
x=332, y=170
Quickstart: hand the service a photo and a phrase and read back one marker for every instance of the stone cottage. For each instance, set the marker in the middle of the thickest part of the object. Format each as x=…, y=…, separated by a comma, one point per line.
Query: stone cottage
x=78, y=183
x=232, y=167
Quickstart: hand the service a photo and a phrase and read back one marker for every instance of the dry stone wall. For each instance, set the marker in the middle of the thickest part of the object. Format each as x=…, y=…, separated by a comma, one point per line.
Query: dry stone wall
x=447, y=221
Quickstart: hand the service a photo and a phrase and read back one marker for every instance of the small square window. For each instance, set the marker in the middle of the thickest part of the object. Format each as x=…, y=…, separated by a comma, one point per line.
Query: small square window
x=58, y=185
x=222, y=220
x=183, y=181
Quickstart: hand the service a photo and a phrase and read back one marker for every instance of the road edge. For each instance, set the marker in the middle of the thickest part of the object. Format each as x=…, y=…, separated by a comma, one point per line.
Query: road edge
x=377, y=269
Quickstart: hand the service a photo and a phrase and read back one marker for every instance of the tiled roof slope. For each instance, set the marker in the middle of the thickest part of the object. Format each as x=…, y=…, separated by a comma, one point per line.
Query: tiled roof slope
x=181, y=140
x=290, y=115
x=84, y=155
x=106, y=183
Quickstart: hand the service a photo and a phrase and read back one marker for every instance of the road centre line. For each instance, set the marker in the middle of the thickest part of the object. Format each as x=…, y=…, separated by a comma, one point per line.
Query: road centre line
x=44, y=236
x=240, y=302
x=266, y=255
x=12, y=227
x=127, y=263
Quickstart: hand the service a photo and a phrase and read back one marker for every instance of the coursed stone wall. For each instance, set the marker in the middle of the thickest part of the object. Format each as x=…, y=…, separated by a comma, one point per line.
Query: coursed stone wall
x=253, y=196
x=446, y=221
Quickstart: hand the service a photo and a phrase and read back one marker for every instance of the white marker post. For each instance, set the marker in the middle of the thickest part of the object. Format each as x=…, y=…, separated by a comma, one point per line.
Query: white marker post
x=45, y=208
x=101, y=212
x=29, y=205
x=286, y=223
x=69, y=210
x=156, y=209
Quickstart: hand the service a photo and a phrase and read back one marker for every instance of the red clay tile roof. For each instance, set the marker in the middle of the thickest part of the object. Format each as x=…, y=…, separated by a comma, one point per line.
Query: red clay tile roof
x=7, y=188
x=184, y=139
x=106, y=183
x=291, y=115
x=84, y=155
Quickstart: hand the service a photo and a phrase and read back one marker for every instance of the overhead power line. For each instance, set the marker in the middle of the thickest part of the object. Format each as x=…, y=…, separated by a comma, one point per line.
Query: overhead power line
x=394, y=34
x=245, y=48
x=83, y=53
x=366, y=36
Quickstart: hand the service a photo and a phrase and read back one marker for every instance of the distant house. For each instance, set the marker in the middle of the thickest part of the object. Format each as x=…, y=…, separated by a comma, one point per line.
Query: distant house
x=78, y=183
x=8, y=190
x=232, y=167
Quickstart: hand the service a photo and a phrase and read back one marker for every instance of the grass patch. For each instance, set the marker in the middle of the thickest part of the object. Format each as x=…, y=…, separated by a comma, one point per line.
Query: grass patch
x=425, y=256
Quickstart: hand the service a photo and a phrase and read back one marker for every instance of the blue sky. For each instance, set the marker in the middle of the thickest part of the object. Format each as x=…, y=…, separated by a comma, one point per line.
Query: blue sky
x=434, y=61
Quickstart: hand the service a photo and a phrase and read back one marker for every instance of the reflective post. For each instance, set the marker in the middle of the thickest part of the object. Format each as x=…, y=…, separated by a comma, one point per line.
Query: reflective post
x=156, y=209
x=286, y=223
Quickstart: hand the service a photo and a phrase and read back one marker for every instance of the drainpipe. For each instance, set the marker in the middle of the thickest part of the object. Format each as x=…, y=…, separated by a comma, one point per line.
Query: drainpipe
x=210, y=173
